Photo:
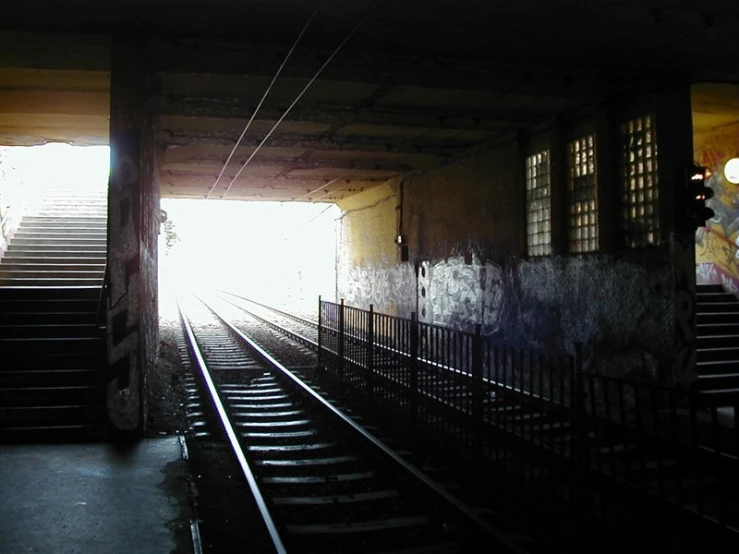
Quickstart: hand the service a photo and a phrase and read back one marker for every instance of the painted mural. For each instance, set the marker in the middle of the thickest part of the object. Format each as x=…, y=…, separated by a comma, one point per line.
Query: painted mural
x=717, y=244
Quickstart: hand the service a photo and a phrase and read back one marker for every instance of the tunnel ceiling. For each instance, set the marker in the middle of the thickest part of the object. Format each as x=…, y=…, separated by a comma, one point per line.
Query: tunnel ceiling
x=418, y=83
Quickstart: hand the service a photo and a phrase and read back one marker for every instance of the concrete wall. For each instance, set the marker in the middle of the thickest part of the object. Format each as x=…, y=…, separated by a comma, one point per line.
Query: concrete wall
x=716, y=244
x=133, y=225
x=368, y=258
x=464, y=224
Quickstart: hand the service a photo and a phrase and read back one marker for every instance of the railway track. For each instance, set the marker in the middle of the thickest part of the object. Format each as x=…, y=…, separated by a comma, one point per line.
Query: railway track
x=321, y=482
x=605, y=448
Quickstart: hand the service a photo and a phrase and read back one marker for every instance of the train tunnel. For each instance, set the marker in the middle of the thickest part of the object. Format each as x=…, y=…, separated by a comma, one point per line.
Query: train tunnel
x=527, y=177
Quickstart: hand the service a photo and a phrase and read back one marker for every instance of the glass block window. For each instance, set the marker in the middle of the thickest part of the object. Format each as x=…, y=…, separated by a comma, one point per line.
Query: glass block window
x=582, y=195
x=639, y=192
x=538, y=205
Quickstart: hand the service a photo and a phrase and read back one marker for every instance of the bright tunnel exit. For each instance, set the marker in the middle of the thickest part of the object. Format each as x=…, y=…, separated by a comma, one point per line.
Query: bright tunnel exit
x=283, y=254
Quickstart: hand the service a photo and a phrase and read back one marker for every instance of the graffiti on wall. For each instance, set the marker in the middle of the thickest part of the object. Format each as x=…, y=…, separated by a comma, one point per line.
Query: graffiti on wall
x=123, y=393
x=716, y=246
x=390, y=290
x=455, y=293
x=545, y=304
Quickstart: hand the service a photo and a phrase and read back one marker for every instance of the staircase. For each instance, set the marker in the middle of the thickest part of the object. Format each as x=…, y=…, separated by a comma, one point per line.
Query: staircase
x=63, y=245
x=717, y=313
x=53, y=371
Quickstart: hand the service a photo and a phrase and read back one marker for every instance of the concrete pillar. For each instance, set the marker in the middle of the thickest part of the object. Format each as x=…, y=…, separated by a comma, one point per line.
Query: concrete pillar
x=133, y=220
x=675, y=147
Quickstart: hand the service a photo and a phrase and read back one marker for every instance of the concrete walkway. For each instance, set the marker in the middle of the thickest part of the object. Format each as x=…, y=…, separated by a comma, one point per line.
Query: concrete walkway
x=94, y=499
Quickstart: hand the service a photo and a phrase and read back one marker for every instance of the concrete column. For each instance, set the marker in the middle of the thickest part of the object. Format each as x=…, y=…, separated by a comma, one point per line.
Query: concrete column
x=131, y=250
x=675, y=148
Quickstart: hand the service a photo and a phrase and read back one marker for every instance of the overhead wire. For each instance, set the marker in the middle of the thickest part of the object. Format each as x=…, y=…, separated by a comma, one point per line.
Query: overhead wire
x=264, y=97
x=311, y=220
x=359, y=23
x=329, y=183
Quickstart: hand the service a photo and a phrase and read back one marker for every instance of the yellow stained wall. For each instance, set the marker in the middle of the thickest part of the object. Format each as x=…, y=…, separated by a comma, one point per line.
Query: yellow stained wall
x=716, y=244
x=369, y=226
x=369, y=268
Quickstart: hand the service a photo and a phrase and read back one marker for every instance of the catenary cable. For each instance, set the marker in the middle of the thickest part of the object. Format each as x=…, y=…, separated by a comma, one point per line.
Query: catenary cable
x=359, y=23
x=264, y=96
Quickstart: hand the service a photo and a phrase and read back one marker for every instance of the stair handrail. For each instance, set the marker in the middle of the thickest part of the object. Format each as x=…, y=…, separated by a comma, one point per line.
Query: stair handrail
x=104, y=291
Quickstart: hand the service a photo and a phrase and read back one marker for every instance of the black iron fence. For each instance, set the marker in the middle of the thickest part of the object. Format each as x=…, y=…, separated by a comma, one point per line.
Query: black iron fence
x=498, y=400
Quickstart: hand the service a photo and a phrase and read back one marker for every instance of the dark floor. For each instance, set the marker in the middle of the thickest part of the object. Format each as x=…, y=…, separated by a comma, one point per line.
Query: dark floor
x=95, y=498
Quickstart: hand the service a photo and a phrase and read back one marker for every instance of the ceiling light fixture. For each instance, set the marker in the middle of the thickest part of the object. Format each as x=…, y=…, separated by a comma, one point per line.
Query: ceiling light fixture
x=731, y=171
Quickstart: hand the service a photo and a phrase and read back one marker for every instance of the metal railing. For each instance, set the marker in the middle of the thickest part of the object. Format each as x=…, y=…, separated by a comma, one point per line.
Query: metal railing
x=499, y=401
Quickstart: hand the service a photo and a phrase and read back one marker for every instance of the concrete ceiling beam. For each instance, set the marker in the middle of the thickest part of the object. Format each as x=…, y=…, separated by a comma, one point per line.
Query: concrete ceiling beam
x=367, y=145
x=341, y=114
x=389, y=68
x=214, y=166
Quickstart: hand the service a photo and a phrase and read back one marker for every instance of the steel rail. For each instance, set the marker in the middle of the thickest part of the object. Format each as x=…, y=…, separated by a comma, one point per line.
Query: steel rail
x=233, y=439
x=288, y=315
x=681, y=445
x=431, y=488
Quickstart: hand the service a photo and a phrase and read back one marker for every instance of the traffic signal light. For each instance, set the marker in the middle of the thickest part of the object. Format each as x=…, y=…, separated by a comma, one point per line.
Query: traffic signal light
x=697, y=193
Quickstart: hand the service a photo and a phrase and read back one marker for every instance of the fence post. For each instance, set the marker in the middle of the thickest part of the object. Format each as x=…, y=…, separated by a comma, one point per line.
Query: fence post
x=414, y=368
x=320, y=332
x=340, y=369
x=371, y=350
x=579, y=487
x=477, y=389
x=576, y=401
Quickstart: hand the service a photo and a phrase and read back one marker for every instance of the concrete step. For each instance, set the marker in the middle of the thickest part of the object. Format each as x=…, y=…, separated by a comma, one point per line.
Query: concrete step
x=47, y=317
x=53, y=433
x=52, y=415
x=710, y=288
x=52, y=396
x=63, y=265
x=54, y=241
x=717, y=367
x=722, y=397
x=67, y=232
x=51, y=377
x=17, y=348
x=717, y=307
x=708, y=318
x=50, y=273
x=37, y=221
x=76, y=360
x=705, y=298
x=43, y=331
x=717, y=381
x=56, y=256
x=717, y=329
x=716, y=354
x=51, y=281
x=40, y=250
x=72, y=212
x=74, y=207
x=715, y=341
x=19, y=305
x=46, y=294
